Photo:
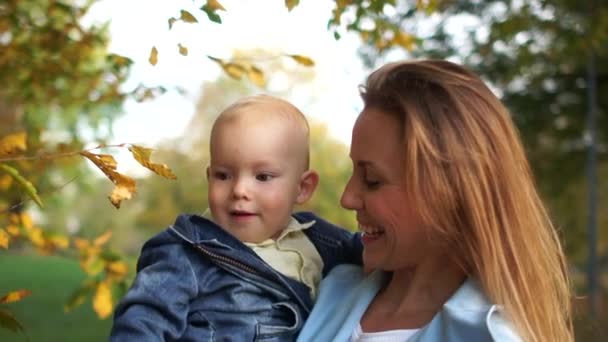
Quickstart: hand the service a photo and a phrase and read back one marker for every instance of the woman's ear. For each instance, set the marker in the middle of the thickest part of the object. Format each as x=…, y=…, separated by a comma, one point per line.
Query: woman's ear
x=308, y=184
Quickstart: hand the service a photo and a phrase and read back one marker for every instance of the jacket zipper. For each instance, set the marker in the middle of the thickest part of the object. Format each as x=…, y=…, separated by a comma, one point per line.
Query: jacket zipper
x=227, y=260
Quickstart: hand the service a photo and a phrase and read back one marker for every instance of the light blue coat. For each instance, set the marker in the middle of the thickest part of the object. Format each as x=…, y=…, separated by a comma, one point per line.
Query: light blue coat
x=346, y=292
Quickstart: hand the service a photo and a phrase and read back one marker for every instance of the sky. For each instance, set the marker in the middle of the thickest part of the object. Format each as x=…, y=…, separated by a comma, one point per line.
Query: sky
x=137, y=25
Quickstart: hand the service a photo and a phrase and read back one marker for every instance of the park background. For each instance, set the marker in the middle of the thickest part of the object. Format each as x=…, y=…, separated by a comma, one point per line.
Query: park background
x=89, y=86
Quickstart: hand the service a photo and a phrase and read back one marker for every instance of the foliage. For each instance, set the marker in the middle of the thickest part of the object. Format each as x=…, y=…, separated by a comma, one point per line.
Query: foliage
x=535, y=54
x=51, y=279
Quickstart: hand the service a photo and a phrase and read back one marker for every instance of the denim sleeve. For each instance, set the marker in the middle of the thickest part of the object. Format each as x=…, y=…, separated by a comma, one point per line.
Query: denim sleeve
x=156, y=306
x=336, y=245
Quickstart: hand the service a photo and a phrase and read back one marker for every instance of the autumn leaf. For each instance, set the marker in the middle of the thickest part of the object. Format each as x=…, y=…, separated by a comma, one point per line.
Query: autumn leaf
x=9, y=322
x=215, y=5
x=187, y=17
x=182, y=50
x=142, y=155
x=15, y=296
x=102, y=239
x=4, y=238
x=13, y=143
x=234, y=70
x=117, y=269
x=291, y=4
x=13, y=230
x=256, y=76
x=405, y=40
x=78, y=297
x=302, y=60
x=5, y=182
x=153, y=59
x=121, y=193
x=102, y=300
x=124, y=185
x=171, y=22
x=27, y=185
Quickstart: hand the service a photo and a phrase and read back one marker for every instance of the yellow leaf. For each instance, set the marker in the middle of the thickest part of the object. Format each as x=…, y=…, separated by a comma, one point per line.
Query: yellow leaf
x=119, y=194
x=117, y=268
x=36, y=236
x=291, y=4
x=182, y=50
x=142, y=156
x=15, y=296
x=153, y=59
x=26, y=221
x=59, y=241
x=187, y=17
x=13, y=230
x=108, y=161
x=302, y=60
x=256, y=76
x=4, y=238
x=234, y=70
x=102, y=239
x=405, y=40
x=13, y=143
x=5, y=182
x=215, y=5
x=125, y=186
x=81, y=244
x=92, y=265
x=102, y=300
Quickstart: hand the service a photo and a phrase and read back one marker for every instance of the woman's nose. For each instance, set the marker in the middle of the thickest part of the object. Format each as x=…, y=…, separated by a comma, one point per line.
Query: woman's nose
x=350, y=197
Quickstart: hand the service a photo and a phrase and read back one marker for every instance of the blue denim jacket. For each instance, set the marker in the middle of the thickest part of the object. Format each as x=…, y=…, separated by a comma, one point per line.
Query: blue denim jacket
x=196, y=282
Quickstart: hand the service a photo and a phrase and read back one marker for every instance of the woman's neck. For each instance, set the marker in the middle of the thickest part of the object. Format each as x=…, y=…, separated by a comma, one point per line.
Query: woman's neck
x=414, y=295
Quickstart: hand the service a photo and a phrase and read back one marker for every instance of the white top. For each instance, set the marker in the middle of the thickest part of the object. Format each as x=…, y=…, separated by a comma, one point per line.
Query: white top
x=400, y=335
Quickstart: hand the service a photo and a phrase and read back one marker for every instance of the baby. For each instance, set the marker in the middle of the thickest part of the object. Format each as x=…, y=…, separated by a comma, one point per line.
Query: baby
x=247, y=269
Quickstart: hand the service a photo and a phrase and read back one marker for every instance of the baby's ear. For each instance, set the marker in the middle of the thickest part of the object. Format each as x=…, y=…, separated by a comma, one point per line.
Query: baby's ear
x=308, y=184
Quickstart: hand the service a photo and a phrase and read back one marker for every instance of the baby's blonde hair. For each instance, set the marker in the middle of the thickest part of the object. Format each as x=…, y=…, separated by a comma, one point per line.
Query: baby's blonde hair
x=260, y=107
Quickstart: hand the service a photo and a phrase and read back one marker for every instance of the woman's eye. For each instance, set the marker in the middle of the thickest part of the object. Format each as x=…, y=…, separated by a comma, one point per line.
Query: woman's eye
x=263, y=177
x=371, y=184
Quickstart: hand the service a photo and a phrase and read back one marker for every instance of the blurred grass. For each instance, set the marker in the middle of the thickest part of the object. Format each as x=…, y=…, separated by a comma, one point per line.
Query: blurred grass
x=51, y=280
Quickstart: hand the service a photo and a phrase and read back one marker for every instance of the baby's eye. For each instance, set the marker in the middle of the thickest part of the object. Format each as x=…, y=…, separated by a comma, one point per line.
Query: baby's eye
x=220, y=175
x=264, y=177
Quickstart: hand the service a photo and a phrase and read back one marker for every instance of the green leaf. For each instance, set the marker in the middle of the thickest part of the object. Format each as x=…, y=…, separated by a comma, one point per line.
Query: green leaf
x=78, y=297
x=7, y=321
x=27, y=185
x=211, y=14
x=291, y=4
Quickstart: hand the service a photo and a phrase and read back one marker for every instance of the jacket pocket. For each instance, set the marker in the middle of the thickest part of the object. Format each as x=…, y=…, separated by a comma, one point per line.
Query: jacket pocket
x=284, y=324
x=199, y=328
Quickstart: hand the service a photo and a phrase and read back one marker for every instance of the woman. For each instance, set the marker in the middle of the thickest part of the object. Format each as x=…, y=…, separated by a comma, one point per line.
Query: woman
x=460, y=245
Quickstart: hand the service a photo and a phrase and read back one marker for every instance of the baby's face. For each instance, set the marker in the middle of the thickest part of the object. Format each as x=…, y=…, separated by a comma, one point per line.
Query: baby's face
x=254, y=177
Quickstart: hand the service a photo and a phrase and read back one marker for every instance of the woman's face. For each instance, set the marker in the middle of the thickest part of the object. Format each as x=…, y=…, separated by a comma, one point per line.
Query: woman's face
x=393, y=235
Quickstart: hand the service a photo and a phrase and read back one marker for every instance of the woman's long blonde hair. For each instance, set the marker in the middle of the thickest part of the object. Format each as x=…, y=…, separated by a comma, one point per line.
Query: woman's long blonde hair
x=469, y=177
